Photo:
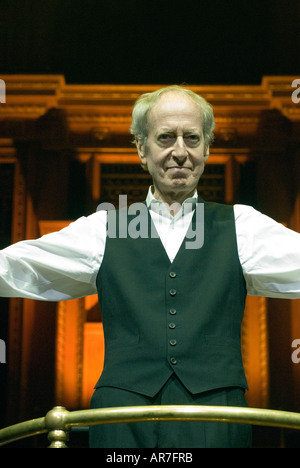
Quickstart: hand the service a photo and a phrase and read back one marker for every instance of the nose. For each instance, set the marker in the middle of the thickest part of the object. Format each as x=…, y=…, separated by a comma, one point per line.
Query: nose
x=179, y=150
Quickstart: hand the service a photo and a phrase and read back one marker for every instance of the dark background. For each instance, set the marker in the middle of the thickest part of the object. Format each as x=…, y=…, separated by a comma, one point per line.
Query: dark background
x=151, y=41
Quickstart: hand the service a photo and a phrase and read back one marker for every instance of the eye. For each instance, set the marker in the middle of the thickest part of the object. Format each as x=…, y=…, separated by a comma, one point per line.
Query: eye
x=192, y=139
x=166, y=138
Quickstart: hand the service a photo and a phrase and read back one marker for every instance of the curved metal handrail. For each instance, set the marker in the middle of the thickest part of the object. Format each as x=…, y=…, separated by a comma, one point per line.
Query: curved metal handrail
x=59, y=421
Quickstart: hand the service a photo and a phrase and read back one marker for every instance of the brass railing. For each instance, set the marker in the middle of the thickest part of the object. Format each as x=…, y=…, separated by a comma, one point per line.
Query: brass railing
x=58, y=422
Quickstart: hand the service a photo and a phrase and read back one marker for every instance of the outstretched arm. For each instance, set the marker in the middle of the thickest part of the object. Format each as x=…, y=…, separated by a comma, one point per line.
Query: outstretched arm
x=269, y=254
x=58, y=266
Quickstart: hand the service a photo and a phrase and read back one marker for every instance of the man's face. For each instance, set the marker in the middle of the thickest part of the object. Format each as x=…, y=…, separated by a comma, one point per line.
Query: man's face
x=174, y=150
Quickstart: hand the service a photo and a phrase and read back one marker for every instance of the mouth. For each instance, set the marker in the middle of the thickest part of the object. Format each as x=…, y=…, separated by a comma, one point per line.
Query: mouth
x=179, y=168
x=177, y=172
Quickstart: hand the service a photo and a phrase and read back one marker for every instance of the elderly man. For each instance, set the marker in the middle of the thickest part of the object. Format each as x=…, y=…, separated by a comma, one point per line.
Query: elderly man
x=172, y=309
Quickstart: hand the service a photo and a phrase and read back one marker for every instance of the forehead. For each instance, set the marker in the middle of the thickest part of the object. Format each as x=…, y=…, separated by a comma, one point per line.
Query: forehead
x=175, y=109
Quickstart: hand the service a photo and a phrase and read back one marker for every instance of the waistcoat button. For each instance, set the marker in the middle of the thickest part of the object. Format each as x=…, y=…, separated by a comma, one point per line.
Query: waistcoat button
x=173, y=360
x=172, y=274
x=173, y=311
x=172, y=325
x=173, y=292
x=173, y=342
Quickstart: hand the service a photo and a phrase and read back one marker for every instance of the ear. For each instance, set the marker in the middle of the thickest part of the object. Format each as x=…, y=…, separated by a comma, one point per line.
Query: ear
x=141, y=152
x=206, y=153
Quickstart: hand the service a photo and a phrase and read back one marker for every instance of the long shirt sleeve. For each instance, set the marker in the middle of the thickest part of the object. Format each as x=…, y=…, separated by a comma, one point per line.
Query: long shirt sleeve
x=269, y=254
x=58, y=266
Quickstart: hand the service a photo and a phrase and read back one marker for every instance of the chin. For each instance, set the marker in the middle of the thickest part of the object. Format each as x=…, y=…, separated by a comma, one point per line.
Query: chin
x=181, y=182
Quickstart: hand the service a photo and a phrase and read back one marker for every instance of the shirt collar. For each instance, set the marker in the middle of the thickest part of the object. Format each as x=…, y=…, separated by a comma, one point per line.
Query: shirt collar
x=159, y=207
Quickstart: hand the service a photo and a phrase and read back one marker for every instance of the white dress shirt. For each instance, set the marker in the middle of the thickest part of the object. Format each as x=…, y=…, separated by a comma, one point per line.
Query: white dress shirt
x=64, y=264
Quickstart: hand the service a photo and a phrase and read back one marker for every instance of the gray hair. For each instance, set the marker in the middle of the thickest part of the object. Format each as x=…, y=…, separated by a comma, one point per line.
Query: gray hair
x=144, y=104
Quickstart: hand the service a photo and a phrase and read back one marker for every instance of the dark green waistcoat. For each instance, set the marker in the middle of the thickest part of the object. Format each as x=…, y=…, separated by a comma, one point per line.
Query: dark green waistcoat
x=184, y=317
